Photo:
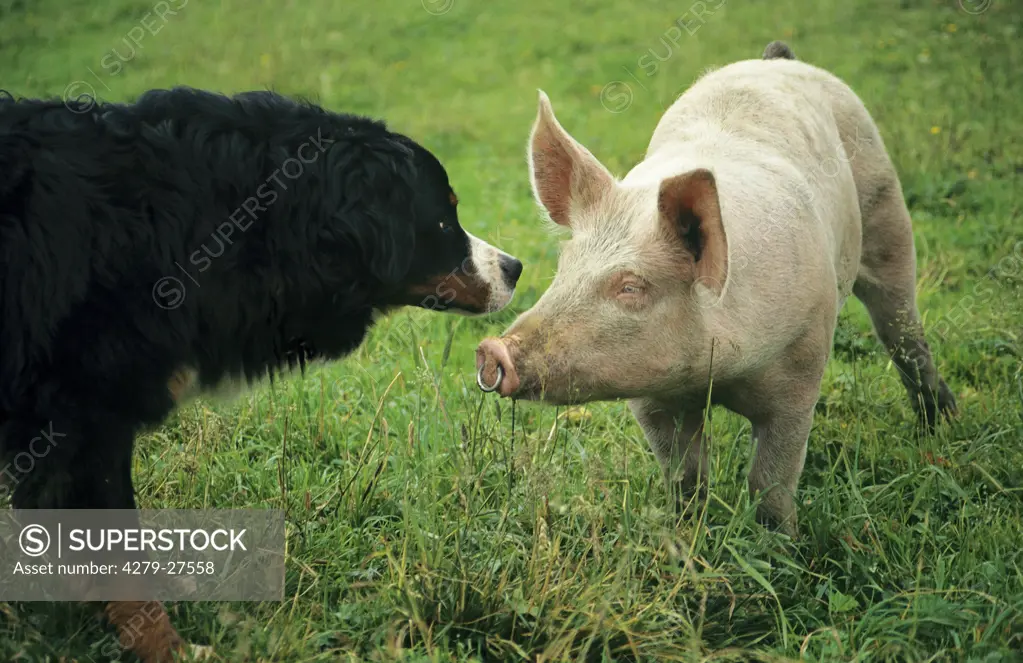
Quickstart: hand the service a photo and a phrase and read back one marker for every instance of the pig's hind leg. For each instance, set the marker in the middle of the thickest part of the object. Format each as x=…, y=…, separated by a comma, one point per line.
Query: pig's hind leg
x=886, y=284
x=675, y=435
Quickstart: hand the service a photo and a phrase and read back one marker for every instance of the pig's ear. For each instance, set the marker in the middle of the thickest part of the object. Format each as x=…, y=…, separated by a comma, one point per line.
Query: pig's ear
x=691, y=215
x=564, y=175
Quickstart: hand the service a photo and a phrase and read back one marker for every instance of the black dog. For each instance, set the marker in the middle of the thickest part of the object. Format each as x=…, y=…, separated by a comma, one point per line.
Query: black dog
x=192, y=237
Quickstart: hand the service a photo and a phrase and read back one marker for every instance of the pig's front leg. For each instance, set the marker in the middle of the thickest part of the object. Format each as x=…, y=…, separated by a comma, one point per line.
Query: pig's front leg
x=780, y=438
x=675, y=435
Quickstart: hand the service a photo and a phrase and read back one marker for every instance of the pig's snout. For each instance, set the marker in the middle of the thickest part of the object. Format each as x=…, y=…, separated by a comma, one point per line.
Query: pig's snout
x=495, y=370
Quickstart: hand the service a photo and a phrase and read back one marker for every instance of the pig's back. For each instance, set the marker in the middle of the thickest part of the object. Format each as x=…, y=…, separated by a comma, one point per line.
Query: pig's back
x=784, y=138
x=774, y=134
x=795, y=108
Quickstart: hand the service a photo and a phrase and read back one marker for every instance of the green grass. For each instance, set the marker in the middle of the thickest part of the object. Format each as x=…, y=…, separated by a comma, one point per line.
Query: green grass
x=430, y=523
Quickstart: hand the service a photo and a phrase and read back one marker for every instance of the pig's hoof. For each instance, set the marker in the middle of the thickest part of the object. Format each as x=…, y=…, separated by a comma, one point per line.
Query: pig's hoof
x=497, y=383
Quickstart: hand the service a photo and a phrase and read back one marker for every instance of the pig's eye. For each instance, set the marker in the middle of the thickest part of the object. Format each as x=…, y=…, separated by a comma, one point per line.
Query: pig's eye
x=629, y=289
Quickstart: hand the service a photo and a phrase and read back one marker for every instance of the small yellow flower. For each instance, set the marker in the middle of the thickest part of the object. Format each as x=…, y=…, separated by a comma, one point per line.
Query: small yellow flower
x=264, y=59
x=972, y=175
x=951, y=27
x=575, y=415
x=935, y=130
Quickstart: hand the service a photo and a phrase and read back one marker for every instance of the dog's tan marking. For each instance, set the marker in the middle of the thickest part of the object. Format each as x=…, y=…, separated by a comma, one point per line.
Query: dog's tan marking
x=463, y=290
x=144, y=628
x=182, y=383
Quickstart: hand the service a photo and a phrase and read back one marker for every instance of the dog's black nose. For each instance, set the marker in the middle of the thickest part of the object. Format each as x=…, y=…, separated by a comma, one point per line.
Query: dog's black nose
x=511, y=269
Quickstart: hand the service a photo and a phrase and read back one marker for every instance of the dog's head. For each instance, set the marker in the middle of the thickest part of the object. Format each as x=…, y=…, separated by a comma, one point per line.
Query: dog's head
x=449, y=269
x=401, y=211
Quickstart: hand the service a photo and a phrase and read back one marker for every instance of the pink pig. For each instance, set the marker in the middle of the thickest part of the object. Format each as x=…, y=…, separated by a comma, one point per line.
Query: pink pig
x=766, y=197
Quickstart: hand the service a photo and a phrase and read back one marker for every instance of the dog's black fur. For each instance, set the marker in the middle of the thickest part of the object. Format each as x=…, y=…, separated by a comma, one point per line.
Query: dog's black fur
x=101, y=205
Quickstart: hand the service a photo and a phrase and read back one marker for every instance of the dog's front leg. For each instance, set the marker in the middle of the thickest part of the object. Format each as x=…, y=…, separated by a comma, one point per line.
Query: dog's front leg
x=77, y=472
x=144, y=628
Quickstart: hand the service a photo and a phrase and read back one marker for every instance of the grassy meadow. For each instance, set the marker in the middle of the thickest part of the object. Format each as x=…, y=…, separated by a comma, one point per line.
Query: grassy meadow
x=428, y=522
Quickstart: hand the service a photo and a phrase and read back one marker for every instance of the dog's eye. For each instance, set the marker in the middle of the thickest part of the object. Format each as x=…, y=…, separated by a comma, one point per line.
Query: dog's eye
x=446, y=227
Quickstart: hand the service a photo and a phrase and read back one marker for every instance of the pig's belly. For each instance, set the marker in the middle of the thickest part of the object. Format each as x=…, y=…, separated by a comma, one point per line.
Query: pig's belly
x=847, y=261
x=845, y=232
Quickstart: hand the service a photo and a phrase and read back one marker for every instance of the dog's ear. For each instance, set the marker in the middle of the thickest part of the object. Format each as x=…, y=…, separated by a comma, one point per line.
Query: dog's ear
x=388, y=241
x=378, y=217
x=566, y=178
x=690, y=215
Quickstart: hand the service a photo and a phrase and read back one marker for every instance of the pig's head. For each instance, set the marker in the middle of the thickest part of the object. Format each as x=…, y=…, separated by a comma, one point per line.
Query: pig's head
x=629, y=312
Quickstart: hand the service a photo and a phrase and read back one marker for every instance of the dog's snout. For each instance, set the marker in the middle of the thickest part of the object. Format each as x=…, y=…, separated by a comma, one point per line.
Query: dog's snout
x=511, y=270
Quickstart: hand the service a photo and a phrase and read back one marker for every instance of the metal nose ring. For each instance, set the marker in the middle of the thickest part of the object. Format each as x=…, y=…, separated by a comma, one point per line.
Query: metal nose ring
x=497, y=383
